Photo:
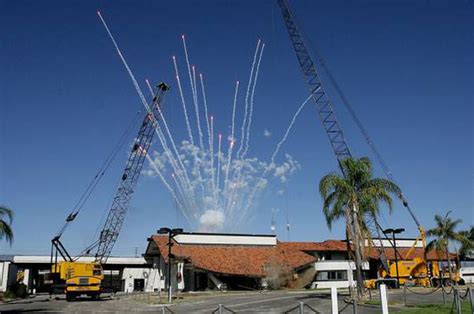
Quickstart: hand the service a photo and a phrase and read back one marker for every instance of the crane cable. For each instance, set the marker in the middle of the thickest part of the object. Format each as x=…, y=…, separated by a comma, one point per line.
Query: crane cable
x=365, y=133
x=381, y=161
x=98, y=176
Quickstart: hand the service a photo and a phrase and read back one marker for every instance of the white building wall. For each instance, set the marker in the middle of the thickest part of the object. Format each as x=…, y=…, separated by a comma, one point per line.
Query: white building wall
x=225, y=239
x=467, y=274
x=4, y=269
x=400, y=243
x=155, y=279
x=336, y=265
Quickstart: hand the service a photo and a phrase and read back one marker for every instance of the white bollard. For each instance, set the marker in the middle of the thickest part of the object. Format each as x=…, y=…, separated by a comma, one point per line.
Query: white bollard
x=335, y=307
x=383, y=298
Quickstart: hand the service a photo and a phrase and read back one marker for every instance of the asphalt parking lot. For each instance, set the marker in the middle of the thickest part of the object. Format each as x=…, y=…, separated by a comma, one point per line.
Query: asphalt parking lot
x=241, y=302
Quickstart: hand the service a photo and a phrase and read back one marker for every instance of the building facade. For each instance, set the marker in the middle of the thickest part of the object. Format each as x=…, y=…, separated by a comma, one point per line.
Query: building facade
x=127, y=274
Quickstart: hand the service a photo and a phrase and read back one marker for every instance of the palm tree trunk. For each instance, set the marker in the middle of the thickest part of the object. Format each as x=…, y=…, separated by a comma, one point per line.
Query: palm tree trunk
x=449, y=263
x=358, y=258
x=350, y=256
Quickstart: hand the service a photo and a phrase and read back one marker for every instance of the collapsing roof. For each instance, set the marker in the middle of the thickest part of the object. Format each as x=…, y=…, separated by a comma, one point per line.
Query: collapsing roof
x=251, y=255
x=241, y=260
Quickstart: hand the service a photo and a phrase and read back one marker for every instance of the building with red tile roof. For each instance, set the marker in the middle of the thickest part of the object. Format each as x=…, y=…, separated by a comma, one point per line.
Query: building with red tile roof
x=240, y=260
x=204, y=260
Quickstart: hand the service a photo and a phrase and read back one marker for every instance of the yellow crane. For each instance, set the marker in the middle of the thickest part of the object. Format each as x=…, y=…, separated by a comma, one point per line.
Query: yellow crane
x=416, y=267
x=68, y=274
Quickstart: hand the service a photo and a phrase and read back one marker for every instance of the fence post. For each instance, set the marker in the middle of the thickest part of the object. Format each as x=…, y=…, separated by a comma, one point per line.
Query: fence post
x=457, y=302
x=444, y=296
x=383, y=298
x=470, y=299
x=335, y=307
x=405, y=295
x=301, y=308
x=354, y=306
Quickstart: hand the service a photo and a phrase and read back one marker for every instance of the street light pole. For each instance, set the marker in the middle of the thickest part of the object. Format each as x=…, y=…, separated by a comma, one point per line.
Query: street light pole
x=394, y=232
x=396, y=259
x=169, y=267
x=171, y=233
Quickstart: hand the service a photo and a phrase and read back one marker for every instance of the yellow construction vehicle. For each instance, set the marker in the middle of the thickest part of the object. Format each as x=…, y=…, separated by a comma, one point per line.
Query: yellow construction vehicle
x=78, y=278
x=75, y=277
x=415, y=270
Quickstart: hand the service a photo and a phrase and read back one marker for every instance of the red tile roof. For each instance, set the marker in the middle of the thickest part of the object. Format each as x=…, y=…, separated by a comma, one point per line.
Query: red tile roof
x=236, y=259
x=251, y=260
x=341, y=246
x=328, y=245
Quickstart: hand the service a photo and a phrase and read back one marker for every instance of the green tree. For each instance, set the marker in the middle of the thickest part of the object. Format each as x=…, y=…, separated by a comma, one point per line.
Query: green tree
x=467, y=243
x=6, y=218
x=444, y=232
x=351, y=196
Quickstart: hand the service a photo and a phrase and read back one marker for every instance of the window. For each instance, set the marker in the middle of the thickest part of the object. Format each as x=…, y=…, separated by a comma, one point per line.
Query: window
x=96, y=272
x=335, y=275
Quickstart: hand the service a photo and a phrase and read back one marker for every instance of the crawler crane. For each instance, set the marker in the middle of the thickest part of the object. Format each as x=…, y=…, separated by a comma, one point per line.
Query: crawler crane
x=76, y=278
x=417, y=269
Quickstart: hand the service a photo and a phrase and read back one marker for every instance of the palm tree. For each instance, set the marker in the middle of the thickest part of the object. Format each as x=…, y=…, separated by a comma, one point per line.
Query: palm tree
x=443, y=233
x=5, y=224
x=467, y=242
x=351, y=196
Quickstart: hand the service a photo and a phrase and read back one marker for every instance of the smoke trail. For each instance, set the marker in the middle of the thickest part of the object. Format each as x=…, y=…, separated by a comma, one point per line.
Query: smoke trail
x=233, y=108
x=275, y=152
x=173, y=144
x=247, y=144
x=218, y=162
x=130, y=73
x=132, y=76
x=187, y=62
x=237, y=173
x=166, y=184
x=196, y=108
x=192, y=83
x=232, y=140
x=174, y=163
x=277, y=149
x=212, y=156
x=139, y=91
x=193, y=88
x=188, y=125
x=168, y=132
x=185, y=199
x=246, y=101
x=205, y=108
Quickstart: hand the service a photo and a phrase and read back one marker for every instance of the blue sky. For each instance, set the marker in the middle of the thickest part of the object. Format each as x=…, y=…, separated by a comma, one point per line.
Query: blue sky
x=406, y=66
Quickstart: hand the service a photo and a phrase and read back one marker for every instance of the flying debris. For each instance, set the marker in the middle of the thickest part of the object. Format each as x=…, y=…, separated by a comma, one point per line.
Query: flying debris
x=214, y=184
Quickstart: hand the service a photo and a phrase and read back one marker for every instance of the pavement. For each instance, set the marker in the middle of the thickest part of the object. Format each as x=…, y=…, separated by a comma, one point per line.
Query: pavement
x=241, y=302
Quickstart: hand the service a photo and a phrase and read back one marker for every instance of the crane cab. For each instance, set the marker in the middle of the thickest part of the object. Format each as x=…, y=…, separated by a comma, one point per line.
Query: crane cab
x=78, y=278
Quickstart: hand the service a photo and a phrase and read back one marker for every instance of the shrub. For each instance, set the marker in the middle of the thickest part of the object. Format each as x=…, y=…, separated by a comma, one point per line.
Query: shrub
x=17, y=290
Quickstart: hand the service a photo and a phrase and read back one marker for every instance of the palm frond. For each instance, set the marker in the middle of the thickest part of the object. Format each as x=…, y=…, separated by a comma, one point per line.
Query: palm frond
x=5, y=211
x=6, y=231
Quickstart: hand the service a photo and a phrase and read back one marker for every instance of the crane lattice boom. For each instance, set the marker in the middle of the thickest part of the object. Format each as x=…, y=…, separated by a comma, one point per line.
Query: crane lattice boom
x=128, y=181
